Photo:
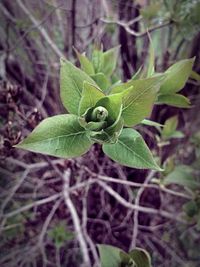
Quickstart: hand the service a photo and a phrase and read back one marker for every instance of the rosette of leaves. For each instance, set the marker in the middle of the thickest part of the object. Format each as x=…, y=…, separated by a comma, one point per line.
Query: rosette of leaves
x=101, y=117
x=96, y=116
x=99, y=112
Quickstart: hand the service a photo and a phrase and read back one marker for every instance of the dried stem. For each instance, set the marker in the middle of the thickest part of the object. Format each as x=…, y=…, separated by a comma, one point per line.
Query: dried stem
x=75, y=218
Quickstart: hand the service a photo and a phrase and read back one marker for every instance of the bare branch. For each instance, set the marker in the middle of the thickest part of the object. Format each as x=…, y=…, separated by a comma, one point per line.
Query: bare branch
x=159, y=187
x=75, y=218
x=136, y=213
x=41, y=29
x=14, y=189
x=84, y=226
x=32, y=205
x=126, y=26
x=128, y=205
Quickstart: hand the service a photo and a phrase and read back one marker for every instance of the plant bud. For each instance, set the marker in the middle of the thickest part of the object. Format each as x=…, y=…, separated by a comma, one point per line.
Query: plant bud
x=99, y=114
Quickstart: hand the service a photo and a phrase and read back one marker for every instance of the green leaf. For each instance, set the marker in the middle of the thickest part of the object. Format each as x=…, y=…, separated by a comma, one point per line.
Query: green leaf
x=101, y=80
x=71, y=85
x=108, y=135
x=152, y=123
x=170, y=127
x=177, y=134
x=116, y=127
x=168, y=165
x=191, y=208
x=176, y=76
x=86, y=64
x=90, y=95
x=60, y=234
x=141, y=257
x=175, y=100
x=110, y=60
x=131, y=151
x=182, y=175
x=105, y=62
x=151, y=68
x=113, y=104
x=97, y=60
x=138, y=100
x=150, y=11
x=100, y=137
x=60, y=136
x=127, y=261
x=138, y=74
x=109, y=256
x=194, y=75
x=96, y=125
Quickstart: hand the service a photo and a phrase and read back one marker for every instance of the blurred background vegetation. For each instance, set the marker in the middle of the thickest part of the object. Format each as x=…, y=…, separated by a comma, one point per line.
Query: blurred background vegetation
x=36, y=227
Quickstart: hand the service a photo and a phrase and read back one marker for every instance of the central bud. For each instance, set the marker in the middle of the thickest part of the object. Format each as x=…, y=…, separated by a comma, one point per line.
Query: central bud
x=99, y=114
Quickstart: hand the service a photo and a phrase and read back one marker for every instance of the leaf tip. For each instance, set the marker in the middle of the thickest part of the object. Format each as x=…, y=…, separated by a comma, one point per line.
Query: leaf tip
x=15, y=146
x=157, y=167
x=193, y=59
x=19, y=145
x=160, y=169
x=62, y=61
x=75, y=50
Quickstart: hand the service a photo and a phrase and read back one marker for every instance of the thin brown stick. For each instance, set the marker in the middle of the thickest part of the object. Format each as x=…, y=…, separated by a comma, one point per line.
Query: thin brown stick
x=75, y=218
x=126, y=26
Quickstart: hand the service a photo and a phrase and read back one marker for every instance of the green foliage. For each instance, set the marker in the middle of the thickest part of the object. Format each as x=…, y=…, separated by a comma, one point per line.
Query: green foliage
x=174, y=100
x=101, y=80
x=141, y=257
x=60, y=136
x=186, y=17
x=15, y=228
x=110, y=61
x=131, y=150
x=152, y=123
x=86, y=64
x=151, y=63
x=90, y=95
x=114, y=257
x=98, y=116
x=191, y=208
x=109, y=256
x=182, y=14
x=194, y=75
x=169, y=129
x=138, y=99
x=59, y=234
x=149, y=12
x=182, y=175
x=186, y=176
x=138, y=74
x=71, y=84
x=176, y=76
x=105, y=62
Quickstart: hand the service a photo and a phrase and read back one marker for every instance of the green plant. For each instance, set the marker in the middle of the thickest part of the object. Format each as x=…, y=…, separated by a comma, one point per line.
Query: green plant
x=104, y=111
x=175, y=172
x=114, y=257
x=182, y=14
x=60, y=234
